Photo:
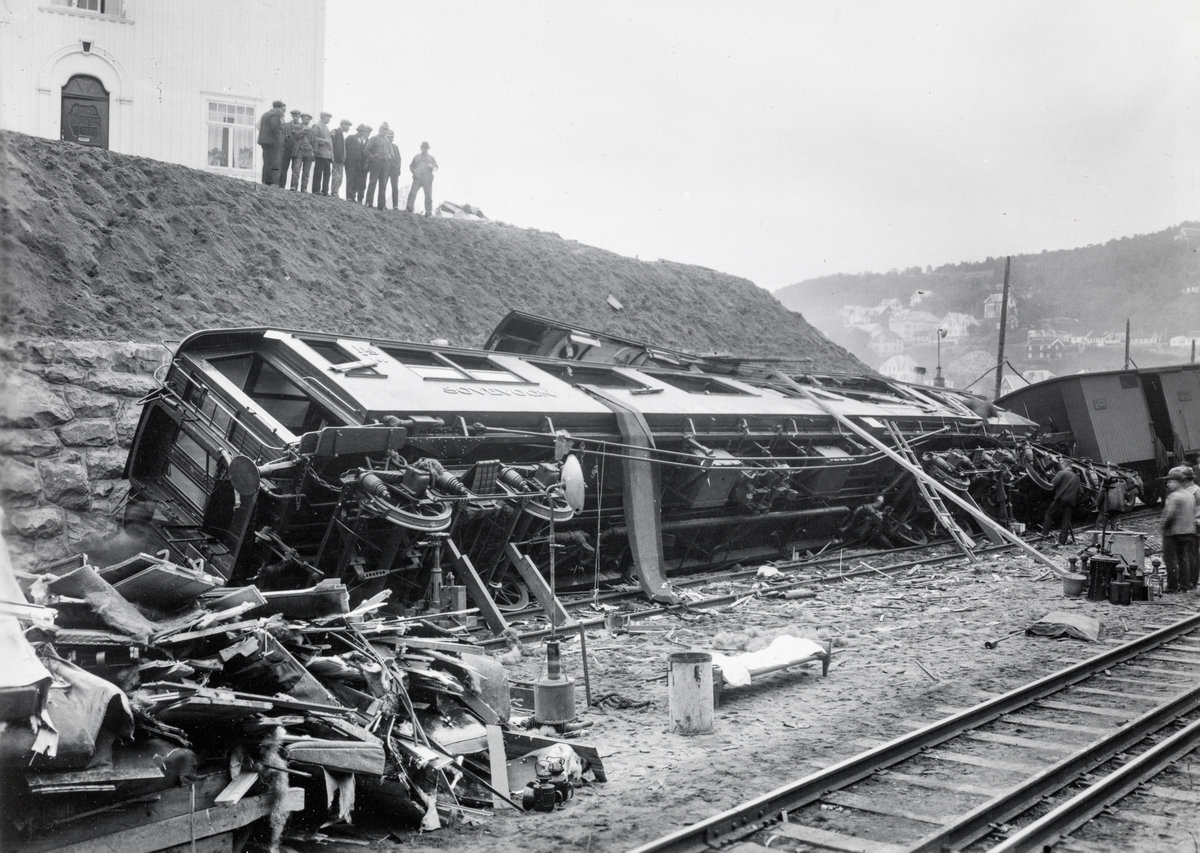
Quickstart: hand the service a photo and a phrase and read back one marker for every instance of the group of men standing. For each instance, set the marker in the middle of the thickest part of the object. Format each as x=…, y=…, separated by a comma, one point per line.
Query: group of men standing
x=1180, y=521
x=366, y=164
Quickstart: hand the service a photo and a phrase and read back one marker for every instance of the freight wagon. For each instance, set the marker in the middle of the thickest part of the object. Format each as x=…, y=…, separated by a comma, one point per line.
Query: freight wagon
x=1146, y=419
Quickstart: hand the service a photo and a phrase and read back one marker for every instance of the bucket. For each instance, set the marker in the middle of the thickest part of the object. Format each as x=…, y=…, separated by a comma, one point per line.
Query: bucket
x=690, y=692
x=1073, y=585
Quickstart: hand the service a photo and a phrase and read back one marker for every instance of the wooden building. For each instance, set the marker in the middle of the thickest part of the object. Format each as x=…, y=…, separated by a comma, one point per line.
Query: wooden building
x=180, y=82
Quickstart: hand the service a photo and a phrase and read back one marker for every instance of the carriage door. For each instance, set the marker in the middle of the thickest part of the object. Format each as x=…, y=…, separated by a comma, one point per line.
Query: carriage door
x=85, y=111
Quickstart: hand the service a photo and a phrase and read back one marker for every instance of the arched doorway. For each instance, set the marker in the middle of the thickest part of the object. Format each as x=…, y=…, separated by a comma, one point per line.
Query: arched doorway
x=85, y=111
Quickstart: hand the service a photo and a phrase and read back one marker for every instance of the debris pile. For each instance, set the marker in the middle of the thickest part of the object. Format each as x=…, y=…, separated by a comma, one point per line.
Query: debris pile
x=150, y=684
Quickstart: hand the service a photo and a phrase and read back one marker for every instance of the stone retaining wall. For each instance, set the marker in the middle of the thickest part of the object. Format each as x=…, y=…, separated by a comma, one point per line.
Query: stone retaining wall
x=68, y=413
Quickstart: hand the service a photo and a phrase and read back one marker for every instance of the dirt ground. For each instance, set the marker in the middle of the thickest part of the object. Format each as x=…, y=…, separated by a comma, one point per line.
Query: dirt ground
x=903, y=654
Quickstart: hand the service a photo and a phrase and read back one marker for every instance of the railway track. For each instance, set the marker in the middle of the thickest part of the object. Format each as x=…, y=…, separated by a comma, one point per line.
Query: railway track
x=1017, y=772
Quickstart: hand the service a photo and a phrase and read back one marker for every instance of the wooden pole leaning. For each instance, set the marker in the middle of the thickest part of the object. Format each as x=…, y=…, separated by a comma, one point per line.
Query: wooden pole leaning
x=918, y=472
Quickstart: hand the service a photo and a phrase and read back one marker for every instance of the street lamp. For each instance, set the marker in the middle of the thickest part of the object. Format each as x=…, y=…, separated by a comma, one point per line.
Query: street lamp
x=939, y=381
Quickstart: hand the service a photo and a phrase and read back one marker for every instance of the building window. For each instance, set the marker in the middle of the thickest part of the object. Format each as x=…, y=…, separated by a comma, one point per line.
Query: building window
x=111, y=8
x=231, y=136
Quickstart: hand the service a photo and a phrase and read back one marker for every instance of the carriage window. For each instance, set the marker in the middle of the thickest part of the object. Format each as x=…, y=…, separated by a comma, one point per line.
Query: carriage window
x=598, y=376
x=278, y=396
x=698, y=384
x=459, y=367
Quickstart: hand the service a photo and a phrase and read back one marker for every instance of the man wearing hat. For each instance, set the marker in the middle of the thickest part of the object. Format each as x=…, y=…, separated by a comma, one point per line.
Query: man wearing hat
x=356, y=163
x=302, y=154
x=338, y=141
x=1178, y=530
x=1066, y=487
x=1193, y=488
x=379, y=164
x=422, y=167
x=285, y=154
x=270, y=138
x=322, y=145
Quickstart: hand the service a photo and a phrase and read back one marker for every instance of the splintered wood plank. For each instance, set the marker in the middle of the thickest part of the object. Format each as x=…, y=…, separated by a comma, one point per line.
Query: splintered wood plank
x=237, y=789
x=834, y=840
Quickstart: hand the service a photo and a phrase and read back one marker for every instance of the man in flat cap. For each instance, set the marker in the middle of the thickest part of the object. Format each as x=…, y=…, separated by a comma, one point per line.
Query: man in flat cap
x=356, y=164
x=285, y=154
x=422, y=167
x=379, y=165
x=302, y=154
x=338, y=141
x=1178, y=528
x=270, y=138
x=322, y=144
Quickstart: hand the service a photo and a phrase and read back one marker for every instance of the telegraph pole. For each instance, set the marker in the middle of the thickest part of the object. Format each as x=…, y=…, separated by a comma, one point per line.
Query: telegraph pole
x=1003, y=329
x=1127, y=343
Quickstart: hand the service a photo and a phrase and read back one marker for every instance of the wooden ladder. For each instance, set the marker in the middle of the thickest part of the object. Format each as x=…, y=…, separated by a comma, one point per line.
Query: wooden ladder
x=940, y=511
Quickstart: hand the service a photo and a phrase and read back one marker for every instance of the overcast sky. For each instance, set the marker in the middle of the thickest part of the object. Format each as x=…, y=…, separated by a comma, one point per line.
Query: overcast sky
x=784, y=140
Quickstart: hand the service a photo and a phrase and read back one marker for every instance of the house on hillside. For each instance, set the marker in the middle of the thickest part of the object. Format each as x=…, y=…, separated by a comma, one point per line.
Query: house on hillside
x=915, y=327
x=1153, y=339
x=1190, y=233
x=958, y=326
x=991, y=308
x=180, y=82
x=854, y=315
x=1043, y=344
x=886, y=342
x=918, y=296
x=902, y=368
x=1183, y=341
x=885, y=305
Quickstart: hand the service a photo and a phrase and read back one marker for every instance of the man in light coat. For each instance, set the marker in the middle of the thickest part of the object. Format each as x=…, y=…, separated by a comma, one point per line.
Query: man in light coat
x=270, y=138
x=422, y=167
x=302, y=154
x=1178, y=528
x=338, y=141
x=322, y=155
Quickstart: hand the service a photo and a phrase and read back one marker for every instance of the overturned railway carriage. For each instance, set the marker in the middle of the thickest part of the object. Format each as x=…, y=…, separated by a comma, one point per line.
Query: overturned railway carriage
x=1145, y=420
x=284, y=458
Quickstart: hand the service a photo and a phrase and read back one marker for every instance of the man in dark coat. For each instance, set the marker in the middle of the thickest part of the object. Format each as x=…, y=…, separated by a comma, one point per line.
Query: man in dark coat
x=270, y=138
x=379, y=165
x=285, y=155
x=397, y=166
x=422, y=167
x=338, y=140
x=356, y=164
x=1066, y=487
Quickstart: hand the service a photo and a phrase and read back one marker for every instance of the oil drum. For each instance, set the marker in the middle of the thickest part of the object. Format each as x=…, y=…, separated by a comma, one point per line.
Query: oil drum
x=1119, y=592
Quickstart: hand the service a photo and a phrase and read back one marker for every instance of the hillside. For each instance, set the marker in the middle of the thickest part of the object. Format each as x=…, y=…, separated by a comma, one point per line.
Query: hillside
x=98, y=245
x=1094, y=287
x=1080, y=297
